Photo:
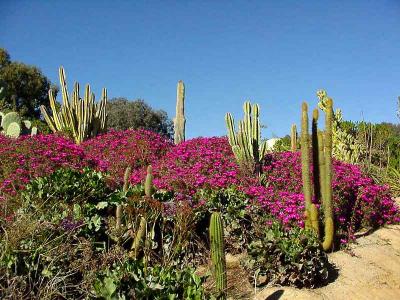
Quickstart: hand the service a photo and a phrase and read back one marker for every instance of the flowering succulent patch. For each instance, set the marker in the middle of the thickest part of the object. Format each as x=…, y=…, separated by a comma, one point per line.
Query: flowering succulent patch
x=357, y=200
x=194, y=164
x=116, y=150
x=200, y=163
x=30, y=157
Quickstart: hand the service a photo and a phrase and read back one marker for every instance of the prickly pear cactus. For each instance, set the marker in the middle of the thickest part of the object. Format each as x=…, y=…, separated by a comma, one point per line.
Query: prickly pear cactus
x=13, y=130
x=218, y=254
x=11, y=117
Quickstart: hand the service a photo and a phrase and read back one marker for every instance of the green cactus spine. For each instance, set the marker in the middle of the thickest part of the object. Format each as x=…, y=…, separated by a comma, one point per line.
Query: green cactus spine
x=218, y=254
x=82, y=117
x=148, y=184
x=327, y=196
x=305, y=164
x=246, y=142
x=293, y=138
x=179, y=120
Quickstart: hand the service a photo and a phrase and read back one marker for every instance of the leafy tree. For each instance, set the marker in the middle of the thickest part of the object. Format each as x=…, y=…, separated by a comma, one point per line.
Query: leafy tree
x=124, y=114
x=25, y=87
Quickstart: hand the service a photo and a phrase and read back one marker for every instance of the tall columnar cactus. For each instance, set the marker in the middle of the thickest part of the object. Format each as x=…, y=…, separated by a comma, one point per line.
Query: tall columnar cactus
x=218, y=254
x=398, y=107
x=246, y=143
x=179, y=120
x=327, y=196
x=293, y=138
x=305, y=164
x=315, y=153
x=148, y=184
x=322, y=179
x=81, y=117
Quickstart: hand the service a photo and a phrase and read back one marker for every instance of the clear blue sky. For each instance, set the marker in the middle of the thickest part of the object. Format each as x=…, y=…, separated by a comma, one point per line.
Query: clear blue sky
x=276, y=53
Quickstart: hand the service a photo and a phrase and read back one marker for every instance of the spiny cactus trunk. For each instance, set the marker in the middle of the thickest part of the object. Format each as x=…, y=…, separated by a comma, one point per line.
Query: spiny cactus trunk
x=179, y=120
x=246, y=142
x=327, y=199
x=148, y=185
x=293, y=138
x=218, y=254
x=305, y=164
x=322, y=179
x=82, y=117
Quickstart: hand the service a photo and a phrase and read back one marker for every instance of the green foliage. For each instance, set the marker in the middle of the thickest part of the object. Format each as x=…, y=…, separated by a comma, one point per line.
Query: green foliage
x=240, y=217
x=25, y=87
x=345, y=147
x=133, y=280
x=61, y=242
x=283, y=144
x=124, y=114
x=288, y=257
x=80, y=196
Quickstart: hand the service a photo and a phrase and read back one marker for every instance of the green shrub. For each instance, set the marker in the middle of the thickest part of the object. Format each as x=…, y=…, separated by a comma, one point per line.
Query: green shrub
x=133, y=280
x=59, y=244
x=240, y=216
x=288, y=257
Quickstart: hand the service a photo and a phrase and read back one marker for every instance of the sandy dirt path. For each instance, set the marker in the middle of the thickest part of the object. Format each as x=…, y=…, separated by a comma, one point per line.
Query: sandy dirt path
x=370, y=270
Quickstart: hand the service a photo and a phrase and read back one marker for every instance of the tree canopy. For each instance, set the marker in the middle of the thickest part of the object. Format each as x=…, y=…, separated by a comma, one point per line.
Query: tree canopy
x=25, y=87
x=124, y=114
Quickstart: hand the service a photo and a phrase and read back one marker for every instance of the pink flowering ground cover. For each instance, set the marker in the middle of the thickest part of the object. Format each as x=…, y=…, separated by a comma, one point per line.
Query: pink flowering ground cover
x=358, y=201
x=194, y=164
x=209, y=163
x=116, y=150
x=200, y=163
x=29, y=157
